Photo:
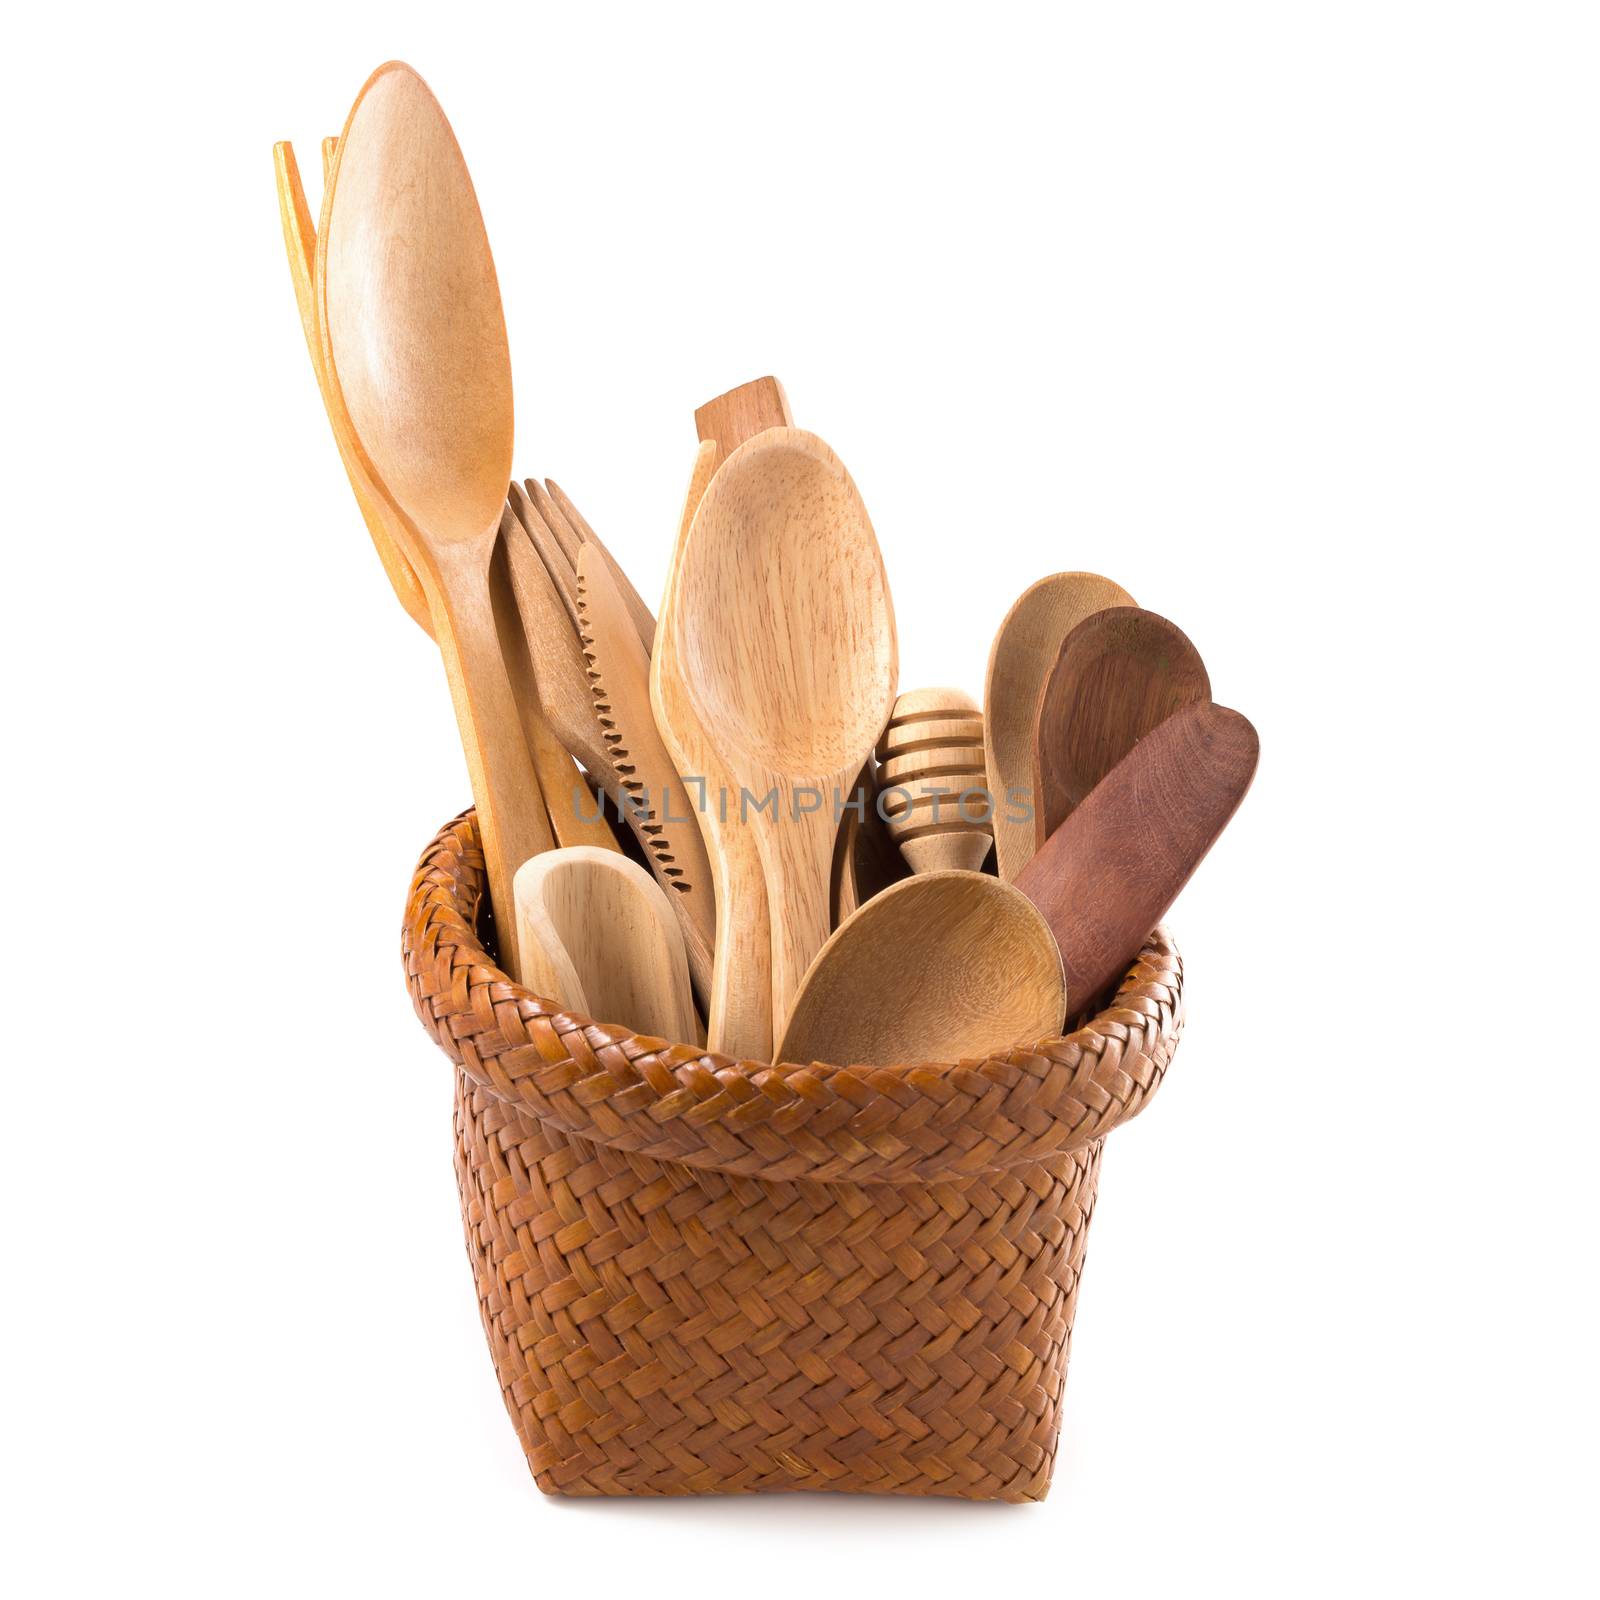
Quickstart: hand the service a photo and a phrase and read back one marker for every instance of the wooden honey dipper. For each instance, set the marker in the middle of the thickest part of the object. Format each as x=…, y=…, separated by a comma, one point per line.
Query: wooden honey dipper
x=929, y=756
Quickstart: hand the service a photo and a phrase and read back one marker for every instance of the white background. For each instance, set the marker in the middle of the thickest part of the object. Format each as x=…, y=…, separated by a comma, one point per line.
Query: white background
x=1283, y=316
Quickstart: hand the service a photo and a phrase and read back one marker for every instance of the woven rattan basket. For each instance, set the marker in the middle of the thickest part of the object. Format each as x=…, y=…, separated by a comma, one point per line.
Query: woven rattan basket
x=701, y=1277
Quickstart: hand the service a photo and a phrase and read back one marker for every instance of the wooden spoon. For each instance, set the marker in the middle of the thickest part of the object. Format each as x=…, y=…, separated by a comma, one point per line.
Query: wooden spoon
x=785, y=639
x=944, y=966
x=554, y=770
x=420, y=386
x=739, y=1010
x=598, y=935
x=930, y=757
x=1106, y=876
x=1120, y=673
x=1024, y=651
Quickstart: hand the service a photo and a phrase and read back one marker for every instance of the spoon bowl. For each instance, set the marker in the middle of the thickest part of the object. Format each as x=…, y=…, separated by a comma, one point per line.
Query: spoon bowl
x=598, y=935
x=413, y=312
x=1121, y=673
x=944, y=966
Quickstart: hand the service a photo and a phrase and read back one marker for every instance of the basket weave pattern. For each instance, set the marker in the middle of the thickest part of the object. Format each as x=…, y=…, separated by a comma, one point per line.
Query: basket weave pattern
x=699, y=1276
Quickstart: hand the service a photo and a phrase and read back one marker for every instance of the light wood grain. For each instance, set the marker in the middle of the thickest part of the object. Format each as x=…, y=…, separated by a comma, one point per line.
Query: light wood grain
x=741, y=414
x=562, y=572
x=561, y=675
x=567, y=538
x=1023, y=653
x=575, y=817
x=739, y=1009
x=598, y=936
x=552, y=768
x=420, y=391
x=1106, y=876
x=1120, y=673
x=945, y=966
x=786, y=644
x=656, y=800
x=300, y=242
x=643, y=618
x=931, y=778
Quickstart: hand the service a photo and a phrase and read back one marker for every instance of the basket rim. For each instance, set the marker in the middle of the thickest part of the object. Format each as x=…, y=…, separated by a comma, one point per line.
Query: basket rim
x=915, y=1122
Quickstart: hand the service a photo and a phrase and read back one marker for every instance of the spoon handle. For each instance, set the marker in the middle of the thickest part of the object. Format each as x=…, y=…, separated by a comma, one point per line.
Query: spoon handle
x=796, y=849
x=511, y=809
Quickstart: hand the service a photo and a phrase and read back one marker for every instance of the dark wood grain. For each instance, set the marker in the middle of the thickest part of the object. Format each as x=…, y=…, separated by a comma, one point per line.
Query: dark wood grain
x=1121, y=673
x=741, y=414
x=1106, y=876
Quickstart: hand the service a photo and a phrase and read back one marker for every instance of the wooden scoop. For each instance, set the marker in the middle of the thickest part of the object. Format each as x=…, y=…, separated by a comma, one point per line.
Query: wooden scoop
x=598, y=935
x=785, y=640
x=419, y=387
x=942, y=967
x=1021, y=658
x=1120, y=673
x=1106, y=876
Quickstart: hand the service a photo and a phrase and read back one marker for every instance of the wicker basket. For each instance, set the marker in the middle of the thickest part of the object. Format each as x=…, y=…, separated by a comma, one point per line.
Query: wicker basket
x=701, y=1277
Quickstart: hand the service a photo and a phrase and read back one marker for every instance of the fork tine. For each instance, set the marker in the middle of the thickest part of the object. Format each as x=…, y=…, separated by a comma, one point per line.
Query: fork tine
x=563, y=530
x=300, y=243
x=643, y=618
x=561, y=571
x=300, y=240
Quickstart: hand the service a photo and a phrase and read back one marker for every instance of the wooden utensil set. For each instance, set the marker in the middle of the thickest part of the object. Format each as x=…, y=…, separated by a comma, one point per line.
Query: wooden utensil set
x=749, y=741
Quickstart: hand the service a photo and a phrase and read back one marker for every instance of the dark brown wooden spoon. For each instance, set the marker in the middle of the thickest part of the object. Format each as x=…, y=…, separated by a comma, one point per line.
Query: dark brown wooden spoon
x=1121, y=673
x=1106, y=876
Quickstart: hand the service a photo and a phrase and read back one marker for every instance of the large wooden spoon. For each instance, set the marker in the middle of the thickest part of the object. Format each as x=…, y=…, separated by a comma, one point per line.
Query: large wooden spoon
x=941, y=967
x=1120, y=673
x=785, y=639
x=739, y=1009
x=420, y=387
x=1024, y=651
x=1106, y=876
x=598, y=935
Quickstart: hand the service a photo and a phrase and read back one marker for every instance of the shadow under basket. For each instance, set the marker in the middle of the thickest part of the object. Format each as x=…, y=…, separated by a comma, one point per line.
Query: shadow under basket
x=700, y=1276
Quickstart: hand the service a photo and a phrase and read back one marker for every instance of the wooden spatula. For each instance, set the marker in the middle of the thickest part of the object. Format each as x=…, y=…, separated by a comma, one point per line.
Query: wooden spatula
x=1106, y=876
x=1120, y=673
x=741, y=414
